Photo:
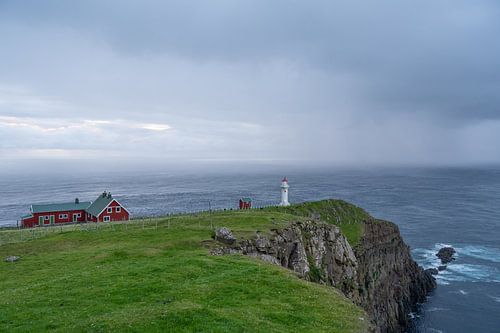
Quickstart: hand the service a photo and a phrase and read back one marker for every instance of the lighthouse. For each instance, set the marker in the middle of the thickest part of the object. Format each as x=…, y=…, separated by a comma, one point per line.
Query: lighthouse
x=284, y=192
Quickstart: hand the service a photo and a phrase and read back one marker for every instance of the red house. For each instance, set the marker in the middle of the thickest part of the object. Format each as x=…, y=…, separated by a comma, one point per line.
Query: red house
x=245, y=203
x=104, y=209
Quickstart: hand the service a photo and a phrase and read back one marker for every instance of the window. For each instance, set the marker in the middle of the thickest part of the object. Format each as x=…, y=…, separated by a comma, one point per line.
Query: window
x=106, y=219
x=118, y=209
x=79, y=215
x=46, y=217
x=110, y=209
x=63, y=216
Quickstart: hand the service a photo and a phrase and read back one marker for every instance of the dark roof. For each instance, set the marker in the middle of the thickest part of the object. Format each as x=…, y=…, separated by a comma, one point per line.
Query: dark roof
x=100, y=203
x=246, y=199
x=60, y=207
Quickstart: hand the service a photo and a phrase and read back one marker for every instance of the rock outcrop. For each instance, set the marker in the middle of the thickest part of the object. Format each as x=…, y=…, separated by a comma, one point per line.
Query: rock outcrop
x=378, y=274
x=446, y=254
x=12, y=259
x=224, y=235
x=390, y=281
x=315, y=251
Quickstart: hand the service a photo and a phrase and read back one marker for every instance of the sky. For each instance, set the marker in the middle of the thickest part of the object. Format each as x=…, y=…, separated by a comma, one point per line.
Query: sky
x=385, y=82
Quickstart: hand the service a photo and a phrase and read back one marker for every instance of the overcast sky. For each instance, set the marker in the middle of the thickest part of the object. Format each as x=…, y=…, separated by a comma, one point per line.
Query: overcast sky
x=327, y=82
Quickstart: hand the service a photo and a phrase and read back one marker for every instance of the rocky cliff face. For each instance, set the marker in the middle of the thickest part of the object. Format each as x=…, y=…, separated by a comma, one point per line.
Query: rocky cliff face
x=316, y=251
x=390, y=282
x=379, y=274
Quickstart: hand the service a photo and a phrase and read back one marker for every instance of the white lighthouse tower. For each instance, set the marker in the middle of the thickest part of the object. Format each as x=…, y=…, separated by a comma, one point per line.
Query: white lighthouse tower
x=284, y=192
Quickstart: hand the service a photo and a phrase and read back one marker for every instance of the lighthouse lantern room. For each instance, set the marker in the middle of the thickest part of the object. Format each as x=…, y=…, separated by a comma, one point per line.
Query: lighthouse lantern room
x=284, y=192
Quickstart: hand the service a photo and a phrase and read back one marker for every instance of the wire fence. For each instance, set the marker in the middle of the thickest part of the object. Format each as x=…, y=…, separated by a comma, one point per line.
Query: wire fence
x=203, y=219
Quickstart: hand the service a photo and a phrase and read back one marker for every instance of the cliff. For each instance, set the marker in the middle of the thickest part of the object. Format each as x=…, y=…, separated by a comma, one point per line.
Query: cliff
x=390, y=282
x=378, y=273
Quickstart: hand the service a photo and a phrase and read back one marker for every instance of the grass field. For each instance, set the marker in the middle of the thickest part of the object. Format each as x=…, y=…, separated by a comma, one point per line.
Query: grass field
x=157, y=276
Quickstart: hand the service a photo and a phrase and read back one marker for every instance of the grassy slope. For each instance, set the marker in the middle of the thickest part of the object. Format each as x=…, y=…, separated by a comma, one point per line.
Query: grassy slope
x=348, y=217
x=125, y=278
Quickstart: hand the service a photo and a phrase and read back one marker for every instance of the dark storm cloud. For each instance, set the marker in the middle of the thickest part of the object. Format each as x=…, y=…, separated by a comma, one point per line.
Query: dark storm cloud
x=408, y=82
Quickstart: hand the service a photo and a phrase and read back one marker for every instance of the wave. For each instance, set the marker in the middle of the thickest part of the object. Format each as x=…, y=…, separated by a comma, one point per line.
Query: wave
x=461, y=272
x=496, y=298
x=430, y=329
x=480, y=252
x=433, y=309
x=469, y=273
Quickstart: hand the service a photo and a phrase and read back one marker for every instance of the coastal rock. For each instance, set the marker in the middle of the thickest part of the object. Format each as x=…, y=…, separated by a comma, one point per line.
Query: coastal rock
x=12, y=259
x=378, y=274
x=224, y=235
x=390, y=281
x=446, y=254
x=433, y=271
x=315, y=251
x=441, y=268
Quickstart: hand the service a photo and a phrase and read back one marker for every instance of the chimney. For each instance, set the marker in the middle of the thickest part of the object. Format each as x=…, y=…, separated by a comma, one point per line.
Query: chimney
x=104, y=194
x=77, y=201
x=109, y=195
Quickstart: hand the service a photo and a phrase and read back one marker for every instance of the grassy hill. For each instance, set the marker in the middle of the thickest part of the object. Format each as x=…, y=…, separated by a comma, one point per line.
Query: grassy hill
x=157, y=276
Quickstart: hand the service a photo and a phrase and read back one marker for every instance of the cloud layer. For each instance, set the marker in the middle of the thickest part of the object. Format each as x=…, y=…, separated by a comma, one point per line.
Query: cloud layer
x=350, y=82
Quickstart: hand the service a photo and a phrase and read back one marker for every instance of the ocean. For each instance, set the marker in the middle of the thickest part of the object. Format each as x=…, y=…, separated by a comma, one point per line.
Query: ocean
x=433, y=207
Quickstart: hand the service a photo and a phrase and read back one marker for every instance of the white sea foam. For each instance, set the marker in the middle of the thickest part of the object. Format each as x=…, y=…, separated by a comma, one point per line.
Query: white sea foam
x=496, y=298
x=470, y=273
x=413, y=315
x=430, y=329
x=480, y=252
x=433, y=309
x=442, y=282
x=461, y=272
x=426, y=257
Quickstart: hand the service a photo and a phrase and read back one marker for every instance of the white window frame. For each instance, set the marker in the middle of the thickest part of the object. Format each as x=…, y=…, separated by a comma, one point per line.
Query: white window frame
x=106, y=218
x=46, y=218
x=110, y=210
x=63, y=216
x=118, y=209
x=78, y=215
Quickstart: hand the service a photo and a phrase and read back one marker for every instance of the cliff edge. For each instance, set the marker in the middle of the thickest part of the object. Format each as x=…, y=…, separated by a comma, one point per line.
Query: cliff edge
x=377, y=273
x=390, y=282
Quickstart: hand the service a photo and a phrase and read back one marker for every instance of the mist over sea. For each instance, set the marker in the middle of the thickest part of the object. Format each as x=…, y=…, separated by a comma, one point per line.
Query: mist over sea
x=432, y=207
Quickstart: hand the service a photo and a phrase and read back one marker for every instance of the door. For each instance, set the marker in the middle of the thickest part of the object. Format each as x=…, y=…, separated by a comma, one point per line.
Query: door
x=51, y=219
x=40, y=220
x=75, y=217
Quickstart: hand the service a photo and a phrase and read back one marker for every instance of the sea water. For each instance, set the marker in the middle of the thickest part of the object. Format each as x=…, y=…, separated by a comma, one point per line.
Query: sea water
x=432, y=207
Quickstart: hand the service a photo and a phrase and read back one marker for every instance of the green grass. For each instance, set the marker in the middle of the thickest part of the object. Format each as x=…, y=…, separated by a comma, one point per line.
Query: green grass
x=347, y=217
x=160, y=278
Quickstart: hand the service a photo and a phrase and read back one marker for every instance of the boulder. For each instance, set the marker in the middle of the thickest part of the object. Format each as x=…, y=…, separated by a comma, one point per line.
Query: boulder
x=224, y=235
x=441, y=268
x=446, y=254
x=433, y=271
x=12, y=259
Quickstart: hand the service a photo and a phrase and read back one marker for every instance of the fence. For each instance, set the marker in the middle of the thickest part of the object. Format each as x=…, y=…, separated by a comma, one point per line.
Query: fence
x=16, y=235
